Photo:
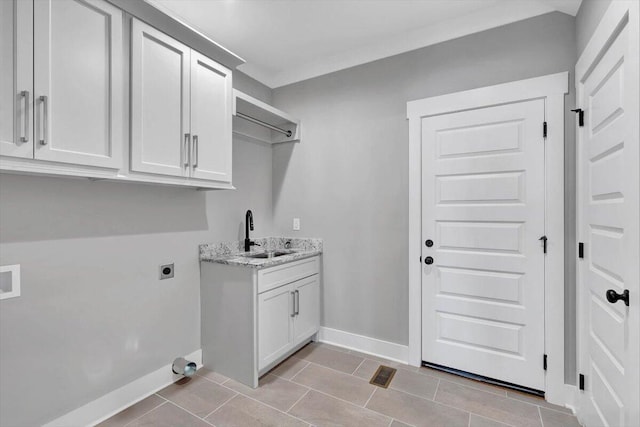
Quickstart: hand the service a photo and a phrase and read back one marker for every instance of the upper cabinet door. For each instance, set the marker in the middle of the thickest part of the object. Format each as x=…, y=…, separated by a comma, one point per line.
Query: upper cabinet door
x=16, y=84
x=211, y=119
x=78, y=82
x=160, y=84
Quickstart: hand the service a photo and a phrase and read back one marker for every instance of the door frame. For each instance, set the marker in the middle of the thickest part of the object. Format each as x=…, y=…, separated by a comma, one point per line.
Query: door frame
x=605, y=32
x=552, y=89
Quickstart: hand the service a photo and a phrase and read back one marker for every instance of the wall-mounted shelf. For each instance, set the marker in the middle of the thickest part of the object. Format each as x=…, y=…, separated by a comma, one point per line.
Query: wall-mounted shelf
x=258, y=121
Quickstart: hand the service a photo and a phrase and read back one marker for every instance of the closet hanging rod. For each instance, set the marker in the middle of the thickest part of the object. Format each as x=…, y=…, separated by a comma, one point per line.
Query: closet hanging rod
x=261, y=123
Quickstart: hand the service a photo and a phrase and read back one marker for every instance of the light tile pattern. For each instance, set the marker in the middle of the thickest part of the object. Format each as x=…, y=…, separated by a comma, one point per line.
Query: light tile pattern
x=323, y=385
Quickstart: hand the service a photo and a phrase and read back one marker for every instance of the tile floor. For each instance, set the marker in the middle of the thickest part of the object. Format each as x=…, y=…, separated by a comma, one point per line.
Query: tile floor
x=323, y=385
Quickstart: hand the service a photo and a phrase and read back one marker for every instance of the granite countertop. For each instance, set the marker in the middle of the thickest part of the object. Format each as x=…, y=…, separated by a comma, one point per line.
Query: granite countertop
x=232, y=253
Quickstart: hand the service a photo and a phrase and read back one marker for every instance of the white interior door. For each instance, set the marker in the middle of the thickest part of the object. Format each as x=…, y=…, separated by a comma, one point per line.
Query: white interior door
x=211, y=115
x=16, y=84
x=483, y=210
x=608, y=221
x=160, y=86
x=78, y=82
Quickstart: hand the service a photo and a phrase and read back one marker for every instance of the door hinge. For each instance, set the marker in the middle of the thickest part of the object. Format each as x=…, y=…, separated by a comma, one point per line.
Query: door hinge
x=544, y=362
x=544, y=129
x=580, y=250
x=581, y=382
x=580, y=112
x=544, y=243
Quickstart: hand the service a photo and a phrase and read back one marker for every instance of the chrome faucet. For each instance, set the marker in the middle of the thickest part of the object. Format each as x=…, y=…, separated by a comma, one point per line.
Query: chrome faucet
x=248, y=225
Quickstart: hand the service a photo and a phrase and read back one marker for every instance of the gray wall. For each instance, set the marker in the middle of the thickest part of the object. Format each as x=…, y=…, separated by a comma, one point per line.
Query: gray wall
x=93, y=315
x=348, y=179
x=587, y=19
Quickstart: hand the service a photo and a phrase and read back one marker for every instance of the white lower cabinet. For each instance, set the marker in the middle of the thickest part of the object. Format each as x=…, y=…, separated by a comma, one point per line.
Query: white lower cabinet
x=253, y=319
x=275, y=325
x=307, y=319
x=287, y=316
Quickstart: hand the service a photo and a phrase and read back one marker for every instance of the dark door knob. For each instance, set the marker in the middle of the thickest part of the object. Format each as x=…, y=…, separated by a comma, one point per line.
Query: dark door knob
x=428, y=260
x=429, y=243
x=613, y=297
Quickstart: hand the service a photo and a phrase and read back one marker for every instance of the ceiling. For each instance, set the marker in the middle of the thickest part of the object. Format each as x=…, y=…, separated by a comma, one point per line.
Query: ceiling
x=285, y=41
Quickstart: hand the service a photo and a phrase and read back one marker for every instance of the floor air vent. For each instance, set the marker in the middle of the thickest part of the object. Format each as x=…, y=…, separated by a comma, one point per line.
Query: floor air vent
x=383, y=376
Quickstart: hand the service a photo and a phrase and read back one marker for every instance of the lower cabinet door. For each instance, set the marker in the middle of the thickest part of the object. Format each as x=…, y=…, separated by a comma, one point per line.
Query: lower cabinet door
x=275, y=324
x=307, y=308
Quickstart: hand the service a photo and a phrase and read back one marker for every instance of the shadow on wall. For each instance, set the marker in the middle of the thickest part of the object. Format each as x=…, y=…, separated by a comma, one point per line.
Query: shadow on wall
x=281, y=157
x=42, y=208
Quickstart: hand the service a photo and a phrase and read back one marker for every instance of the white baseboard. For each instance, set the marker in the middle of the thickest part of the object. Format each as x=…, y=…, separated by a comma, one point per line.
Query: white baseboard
x=111, y=403
x=363, y=344
x=571, y=397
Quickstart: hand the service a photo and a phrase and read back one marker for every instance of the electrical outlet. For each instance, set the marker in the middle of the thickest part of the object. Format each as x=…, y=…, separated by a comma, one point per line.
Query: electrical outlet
x=296, y=224
x=166, y=271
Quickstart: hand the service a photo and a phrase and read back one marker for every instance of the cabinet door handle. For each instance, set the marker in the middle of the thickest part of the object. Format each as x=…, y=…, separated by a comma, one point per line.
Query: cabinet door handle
x=25, y=96
x=186, y=153
x=195, y=151
x=293, y=312
x=45, y=113
x=297, y=302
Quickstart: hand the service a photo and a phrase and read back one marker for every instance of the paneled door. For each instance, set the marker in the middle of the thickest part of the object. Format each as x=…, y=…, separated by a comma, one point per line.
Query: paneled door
x=16, y=84
x=78, y=82
x=307, y=307
x=160, y=86
x=211, y=115
x=275, y=325
x=483, y=214
x=608, y=221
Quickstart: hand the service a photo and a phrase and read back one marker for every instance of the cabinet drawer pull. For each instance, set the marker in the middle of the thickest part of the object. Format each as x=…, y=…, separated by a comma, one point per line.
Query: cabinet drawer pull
x=45, y=112
x=293, y=313
x=25, y=96
x=297, y=302
x=186, y=153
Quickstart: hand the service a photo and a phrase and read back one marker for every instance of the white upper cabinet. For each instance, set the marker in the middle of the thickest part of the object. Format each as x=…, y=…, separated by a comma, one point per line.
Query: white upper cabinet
x=211, y=119
x=180, y=109
x=160, y=85
x=16, y=84
x=78, y=82
x=72, y=68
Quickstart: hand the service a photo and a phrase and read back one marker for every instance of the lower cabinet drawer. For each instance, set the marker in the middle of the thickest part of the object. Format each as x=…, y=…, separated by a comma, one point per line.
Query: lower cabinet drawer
x=279, y=275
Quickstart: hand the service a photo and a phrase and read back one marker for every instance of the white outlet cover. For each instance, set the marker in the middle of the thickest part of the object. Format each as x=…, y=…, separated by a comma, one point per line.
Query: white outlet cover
x=296, y=224
x=9, y=281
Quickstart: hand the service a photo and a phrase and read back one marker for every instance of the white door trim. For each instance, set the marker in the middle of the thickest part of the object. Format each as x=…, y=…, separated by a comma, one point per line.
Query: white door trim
x=551, y=88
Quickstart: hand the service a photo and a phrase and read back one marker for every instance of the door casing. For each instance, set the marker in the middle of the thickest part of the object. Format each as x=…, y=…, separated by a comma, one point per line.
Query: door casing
x=552, y=89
